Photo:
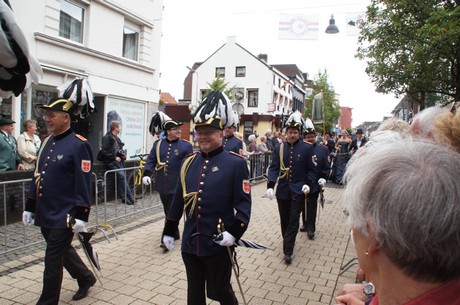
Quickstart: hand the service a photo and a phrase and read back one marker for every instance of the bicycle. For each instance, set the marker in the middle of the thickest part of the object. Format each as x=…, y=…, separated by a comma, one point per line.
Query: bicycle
x=135, y=184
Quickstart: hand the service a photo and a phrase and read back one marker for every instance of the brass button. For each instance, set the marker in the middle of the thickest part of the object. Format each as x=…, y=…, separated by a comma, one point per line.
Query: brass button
x=201, y=183
x=200, y=191
x=199, y=216
x=199, y=199
x=203, y=175
x=199, y=207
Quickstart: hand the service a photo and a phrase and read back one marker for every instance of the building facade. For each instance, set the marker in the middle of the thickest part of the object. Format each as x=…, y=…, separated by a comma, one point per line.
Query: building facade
x=112, y=44
x=263, y=95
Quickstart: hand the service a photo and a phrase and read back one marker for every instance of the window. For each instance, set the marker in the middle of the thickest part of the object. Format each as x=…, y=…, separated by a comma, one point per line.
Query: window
x=220, y=72
x=240, y=72
x=130, y=42
x=71, y=21
x=253, y=97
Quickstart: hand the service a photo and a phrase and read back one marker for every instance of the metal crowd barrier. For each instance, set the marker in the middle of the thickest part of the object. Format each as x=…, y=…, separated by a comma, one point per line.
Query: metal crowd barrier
x=107, y=206
x=258, y=166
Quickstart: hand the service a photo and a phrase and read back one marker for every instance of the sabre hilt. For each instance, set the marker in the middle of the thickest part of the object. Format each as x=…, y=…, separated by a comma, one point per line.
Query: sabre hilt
x=70, y=221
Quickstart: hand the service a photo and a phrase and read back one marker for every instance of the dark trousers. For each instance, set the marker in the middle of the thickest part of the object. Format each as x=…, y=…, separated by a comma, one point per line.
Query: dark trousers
x=290, y=211
x=312, y=206
x=210, y=272
x=123, y=190
x=166, y=200
x=59, y=254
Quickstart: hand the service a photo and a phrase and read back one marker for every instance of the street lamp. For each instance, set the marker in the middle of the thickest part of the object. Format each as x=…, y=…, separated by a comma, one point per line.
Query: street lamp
x=332, y=28
x=194, y=103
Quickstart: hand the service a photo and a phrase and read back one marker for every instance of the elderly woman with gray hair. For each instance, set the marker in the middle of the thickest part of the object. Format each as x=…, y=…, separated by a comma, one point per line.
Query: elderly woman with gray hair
x=403, y=205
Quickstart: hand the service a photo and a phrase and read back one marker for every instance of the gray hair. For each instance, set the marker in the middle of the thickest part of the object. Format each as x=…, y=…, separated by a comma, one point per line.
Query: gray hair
x=406, y=192
x=252, y=137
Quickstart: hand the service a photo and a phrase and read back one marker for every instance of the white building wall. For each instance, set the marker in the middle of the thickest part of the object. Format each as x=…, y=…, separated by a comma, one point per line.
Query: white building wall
x=99, y=56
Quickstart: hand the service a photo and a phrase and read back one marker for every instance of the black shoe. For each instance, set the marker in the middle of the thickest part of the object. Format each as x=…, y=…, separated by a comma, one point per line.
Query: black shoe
x=83, y=289
x=303, y=229
x=128, y=202
x=288, y=259
x=311, y=235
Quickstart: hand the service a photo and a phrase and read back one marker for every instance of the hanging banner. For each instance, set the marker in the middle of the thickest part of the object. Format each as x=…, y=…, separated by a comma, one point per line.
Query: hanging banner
x=298, y=27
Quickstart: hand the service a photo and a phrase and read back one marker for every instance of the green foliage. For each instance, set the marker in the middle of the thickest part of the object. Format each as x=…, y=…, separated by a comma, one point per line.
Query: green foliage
x=220, y=85
x=331, y=106
x=412, y=48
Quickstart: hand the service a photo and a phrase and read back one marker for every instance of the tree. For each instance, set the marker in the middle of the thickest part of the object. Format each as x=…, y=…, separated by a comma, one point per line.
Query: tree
x=412, y=48
x=220, y=85
x=330, y=104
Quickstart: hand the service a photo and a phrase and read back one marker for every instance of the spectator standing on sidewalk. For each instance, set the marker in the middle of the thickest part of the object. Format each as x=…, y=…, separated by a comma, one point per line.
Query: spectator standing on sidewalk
x=214, y=184
x=114, y=158
x=61, y=187
x=28, y=144
x=322, y=170
x=165, y=159
x=9, y=157
x=292, y=166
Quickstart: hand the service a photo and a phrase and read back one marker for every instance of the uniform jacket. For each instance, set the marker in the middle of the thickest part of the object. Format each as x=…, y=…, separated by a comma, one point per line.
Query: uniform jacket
x=167, y=167
x=62, y=181
x=322, y=168
x=9, y=157
x=298, y=159
x=232, y=144
x=221, y=182
x=28, y=149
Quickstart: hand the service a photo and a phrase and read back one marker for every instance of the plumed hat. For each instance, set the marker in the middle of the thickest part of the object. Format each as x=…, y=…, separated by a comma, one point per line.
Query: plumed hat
x=215, y=111
x=308, y=126
x=18, y=68
x=236, y=120
x=171, y=124
x=295, y=120
x=157, y=122
x=60, y=104
x=78, y=91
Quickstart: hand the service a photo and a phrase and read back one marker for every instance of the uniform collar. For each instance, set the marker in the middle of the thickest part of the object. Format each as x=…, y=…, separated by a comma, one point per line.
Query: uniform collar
x=63, y=135
x=213, y=153
x=173, y=141
x=230, y=137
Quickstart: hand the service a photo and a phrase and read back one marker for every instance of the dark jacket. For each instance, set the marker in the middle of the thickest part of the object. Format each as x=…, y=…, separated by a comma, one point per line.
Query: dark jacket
x=220, y=182
x=112, y=147
x=63, y=182
x=233, y=144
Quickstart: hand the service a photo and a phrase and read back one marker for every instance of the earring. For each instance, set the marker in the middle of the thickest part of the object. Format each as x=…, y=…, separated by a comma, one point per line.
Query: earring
x=367, y=253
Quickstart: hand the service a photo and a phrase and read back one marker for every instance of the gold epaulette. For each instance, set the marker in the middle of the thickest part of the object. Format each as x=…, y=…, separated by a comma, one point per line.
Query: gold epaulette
x=234, y=153
x=81, y=138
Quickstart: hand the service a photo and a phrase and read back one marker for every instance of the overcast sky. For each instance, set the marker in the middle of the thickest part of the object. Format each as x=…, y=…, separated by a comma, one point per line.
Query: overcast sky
x=193, y=30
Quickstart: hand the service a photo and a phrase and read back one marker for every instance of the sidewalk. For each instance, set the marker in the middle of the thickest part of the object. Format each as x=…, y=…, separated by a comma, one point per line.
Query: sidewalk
x=135, y=270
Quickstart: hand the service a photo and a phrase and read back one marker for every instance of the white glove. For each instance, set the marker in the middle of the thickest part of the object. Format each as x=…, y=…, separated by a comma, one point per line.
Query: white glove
x=168, y=241
x=227, y=239
x=79, y=226
x=146, y=180
x=27, y=218
x=322, y=182
x=270, y=193
x=305, y=189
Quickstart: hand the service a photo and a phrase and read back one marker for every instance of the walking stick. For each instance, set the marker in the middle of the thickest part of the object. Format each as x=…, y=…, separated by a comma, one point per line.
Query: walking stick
x=220, y=229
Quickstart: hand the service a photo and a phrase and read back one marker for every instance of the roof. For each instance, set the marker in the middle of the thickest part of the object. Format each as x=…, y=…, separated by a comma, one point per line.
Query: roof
x=167, y=98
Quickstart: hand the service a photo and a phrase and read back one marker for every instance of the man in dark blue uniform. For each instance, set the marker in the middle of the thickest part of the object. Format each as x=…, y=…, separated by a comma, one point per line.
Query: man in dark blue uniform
x=214, y=184
x=61, y=187
x=230, y=142
x=292, y=167
x=165, y=159
x=323, y=168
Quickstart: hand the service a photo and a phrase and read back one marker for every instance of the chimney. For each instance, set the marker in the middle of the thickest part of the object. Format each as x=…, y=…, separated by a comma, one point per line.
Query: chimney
x=263, y=57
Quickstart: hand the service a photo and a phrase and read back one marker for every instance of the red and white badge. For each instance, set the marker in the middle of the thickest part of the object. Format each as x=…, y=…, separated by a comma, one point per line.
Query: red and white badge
x=86, y=166
x=246, y=186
